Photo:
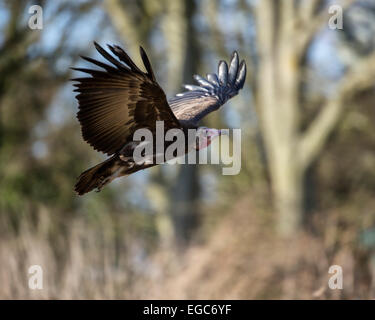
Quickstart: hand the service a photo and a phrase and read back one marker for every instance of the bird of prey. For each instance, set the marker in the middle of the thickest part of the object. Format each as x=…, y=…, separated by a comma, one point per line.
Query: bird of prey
x=120, y=98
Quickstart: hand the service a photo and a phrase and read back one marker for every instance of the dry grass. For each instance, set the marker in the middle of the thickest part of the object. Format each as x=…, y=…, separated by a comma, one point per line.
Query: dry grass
x=242, y=259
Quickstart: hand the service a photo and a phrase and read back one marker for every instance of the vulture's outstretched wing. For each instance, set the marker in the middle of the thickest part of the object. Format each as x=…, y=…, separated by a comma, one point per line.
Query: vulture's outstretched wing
x=211, y=93
x=118, y=100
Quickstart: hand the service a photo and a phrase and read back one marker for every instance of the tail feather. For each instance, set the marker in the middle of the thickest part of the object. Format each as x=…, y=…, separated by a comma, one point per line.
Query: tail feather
x=90, y=179
x=104, y=172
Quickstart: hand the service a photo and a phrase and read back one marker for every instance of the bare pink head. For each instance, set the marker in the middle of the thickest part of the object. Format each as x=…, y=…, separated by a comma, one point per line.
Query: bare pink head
x=205, y=136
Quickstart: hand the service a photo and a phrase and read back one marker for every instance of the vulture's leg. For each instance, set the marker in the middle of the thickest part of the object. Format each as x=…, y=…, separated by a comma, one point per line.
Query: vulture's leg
x=126, y=153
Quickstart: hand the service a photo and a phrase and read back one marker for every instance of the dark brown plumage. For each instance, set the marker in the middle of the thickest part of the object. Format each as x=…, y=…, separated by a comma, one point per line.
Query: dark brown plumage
x=116, y=101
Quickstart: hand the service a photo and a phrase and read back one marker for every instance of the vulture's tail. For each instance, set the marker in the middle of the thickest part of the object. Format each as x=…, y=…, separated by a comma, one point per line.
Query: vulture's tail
x=95, y=177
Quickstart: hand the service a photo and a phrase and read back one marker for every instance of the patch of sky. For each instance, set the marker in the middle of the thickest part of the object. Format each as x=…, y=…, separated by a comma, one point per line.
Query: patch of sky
x=133, y=190
x=208, y=182
x=39, y=149
x=63, y=107
x=324, y=60
x=4, y=18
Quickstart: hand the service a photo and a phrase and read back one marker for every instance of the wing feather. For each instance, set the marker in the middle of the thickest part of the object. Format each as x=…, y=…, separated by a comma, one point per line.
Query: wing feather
x=211, y=93
x=223, y=72
x=147, y=64
x=119, y=100
x=233, y=68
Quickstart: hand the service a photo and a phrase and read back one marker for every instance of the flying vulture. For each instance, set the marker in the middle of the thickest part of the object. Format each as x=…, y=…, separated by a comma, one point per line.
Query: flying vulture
x=119, y=99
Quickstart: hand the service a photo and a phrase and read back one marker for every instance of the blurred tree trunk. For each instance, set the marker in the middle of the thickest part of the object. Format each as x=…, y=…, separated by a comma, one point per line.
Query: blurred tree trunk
x=277, y=102
x=183, y=60
x=175, y=222
x=284, y=32
x=133, y=22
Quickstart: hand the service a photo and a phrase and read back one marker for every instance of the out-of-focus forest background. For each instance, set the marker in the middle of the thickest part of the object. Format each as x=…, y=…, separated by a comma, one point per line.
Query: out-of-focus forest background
x=303, y=201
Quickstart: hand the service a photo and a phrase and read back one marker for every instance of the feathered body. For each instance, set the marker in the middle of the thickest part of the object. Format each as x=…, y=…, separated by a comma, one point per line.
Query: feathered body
x=118, y=100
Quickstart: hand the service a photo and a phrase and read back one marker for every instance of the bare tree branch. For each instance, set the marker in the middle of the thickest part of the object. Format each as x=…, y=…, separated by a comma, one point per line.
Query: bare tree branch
x=312, y=27
x=265, y=38
x=287, y=66
x=211, y=8
x=175, y=29
x=307, y=9
x=359, y=78
x=125, y=26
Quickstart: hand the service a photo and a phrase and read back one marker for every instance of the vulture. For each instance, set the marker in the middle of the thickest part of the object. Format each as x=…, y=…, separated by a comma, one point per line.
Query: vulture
x=118, y=99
